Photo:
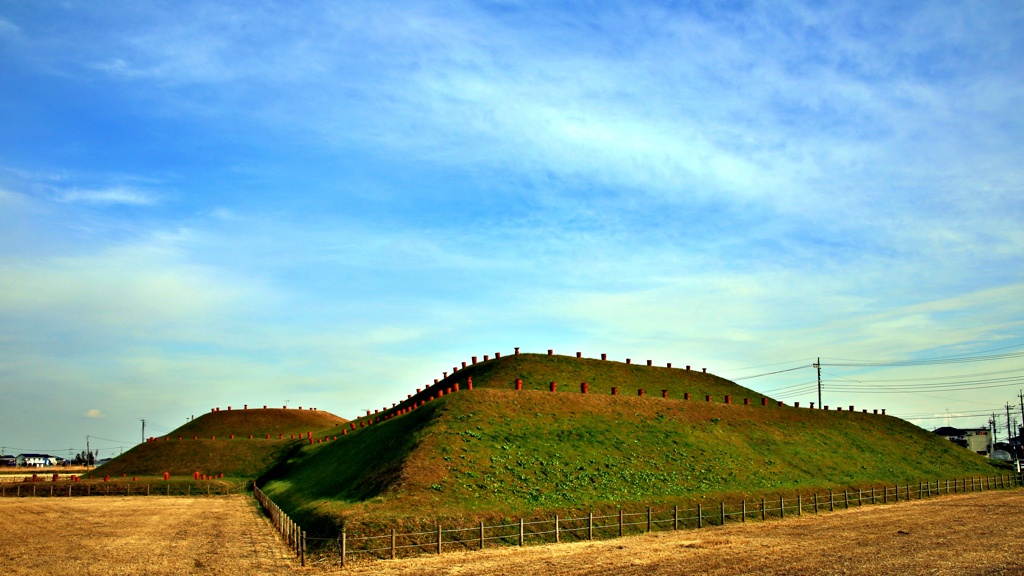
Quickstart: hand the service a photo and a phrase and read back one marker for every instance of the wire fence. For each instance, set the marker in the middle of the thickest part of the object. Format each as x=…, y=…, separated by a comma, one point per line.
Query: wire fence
x=119, y=488
x=294, y=536
x=394, y=544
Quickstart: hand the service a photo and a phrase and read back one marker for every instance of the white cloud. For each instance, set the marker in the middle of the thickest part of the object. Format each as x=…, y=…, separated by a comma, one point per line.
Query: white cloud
x=94, y=413
x=114, y=195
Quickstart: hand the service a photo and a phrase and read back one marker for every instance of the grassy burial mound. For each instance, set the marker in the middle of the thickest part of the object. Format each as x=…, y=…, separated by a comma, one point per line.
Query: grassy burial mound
x=494, y=450
x=537, y=372
x=206, y=445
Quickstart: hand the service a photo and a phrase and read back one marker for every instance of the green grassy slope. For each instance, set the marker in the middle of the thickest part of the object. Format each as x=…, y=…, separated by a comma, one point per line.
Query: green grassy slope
x=206, y=445
x=494, y=450
x=537, y=371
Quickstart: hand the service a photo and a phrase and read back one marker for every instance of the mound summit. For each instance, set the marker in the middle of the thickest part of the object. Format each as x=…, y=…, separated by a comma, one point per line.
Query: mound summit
x=261, y=438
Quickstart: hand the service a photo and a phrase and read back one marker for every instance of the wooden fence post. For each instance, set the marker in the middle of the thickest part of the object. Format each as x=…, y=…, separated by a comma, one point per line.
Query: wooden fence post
x=344, y=544
x=782, y=506
x=675, y=517
x=762, y=510
x=700, y=517
x=721, y=508
x=558, y=537
x=520, y=531
x=303, y=562
x=846, y=496
x=393, y=541
x=481, y=535
x=438, y=539
x=620, y=522
x=815, y=502
x=743, y=505
x=831, y=501
x=648, y=518
x=590, y=529
x=799, y=504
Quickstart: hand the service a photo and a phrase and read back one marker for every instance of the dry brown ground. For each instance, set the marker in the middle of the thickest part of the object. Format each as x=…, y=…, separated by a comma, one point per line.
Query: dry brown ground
x=138, y=535
x=966, y=534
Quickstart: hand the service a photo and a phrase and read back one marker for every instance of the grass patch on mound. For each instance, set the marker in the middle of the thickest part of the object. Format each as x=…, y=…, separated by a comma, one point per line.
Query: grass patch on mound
x=537, y=371
x=206, y=446
x=259, y=422
x=499, y=453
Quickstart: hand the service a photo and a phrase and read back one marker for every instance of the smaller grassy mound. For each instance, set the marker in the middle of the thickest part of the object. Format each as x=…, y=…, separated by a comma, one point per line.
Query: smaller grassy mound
x=205, y=445
x=259, y=422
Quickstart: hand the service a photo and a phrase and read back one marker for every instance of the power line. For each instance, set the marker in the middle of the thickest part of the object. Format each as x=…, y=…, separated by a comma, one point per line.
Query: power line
x=930, y=378
x=962, y=359
x=114, y=441
x=787, y=389
x=914, y=389
x=764, y=365
x=770, y=373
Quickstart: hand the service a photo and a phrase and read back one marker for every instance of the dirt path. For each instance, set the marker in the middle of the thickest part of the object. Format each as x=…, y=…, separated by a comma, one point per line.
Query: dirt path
x=968, y=534
x=138, y=535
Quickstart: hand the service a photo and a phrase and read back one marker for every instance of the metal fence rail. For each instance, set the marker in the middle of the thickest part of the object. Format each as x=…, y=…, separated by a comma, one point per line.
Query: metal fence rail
x=595, y=526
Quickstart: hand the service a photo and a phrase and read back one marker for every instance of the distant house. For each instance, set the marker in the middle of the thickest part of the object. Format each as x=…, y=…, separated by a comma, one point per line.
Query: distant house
x=974, y=439
x=36, y=460
x=8, y=460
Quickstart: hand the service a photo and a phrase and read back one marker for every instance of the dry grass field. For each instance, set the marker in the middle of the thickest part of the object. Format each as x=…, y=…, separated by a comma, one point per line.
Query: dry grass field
x=965, y=534
x=138, y=535
x=976, y=534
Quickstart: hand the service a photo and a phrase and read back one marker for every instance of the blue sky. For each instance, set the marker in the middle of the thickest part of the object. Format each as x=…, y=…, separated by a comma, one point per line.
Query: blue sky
x=204, y=204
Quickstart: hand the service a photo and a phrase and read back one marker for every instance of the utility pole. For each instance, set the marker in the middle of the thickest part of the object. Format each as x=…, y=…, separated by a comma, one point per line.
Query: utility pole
x=1009, y=434
x=1021, y=396
x=992, y=429
x=88, y=452
x=817, y=365
x=143, y=429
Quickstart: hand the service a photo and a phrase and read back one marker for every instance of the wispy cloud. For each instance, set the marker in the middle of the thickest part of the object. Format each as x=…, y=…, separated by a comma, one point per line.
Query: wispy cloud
x=94, y=413
x=115, y=195
x=8, y=28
